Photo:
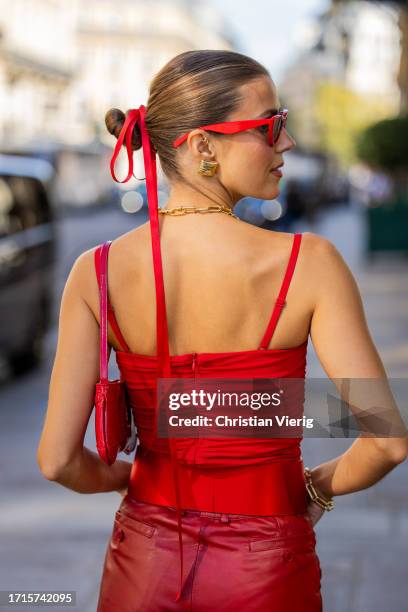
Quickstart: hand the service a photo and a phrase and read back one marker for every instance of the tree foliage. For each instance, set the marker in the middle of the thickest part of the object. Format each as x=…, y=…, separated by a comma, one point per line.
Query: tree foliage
x=342, y=115
x=384, y=144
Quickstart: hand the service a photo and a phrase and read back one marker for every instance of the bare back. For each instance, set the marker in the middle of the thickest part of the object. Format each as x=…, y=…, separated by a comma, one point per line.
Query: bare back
x=221, y=277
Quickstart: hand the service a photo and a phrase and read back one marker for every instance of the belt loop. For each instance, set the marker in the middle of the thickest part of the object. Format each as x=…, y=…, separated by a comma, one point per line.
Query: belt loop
x=225, y=518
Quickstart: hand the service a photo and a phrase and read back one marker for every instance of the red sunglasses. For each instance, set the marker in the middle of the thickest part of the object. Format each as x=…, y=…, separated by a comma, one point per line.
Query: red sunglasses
x=275, y=124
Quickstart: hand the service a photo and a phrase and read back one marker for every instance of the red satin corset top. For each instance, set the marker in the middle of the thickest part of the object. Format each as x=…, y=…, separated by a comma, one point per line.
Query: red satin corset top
x=140, y=372
x=254, y=476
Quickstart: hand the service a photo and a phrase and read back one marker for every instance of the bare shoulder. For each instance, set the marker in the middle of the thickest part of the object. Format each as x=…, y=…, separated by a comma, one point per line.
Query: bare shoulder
x=126, y=251
x=320, y=254
x=330, y=276
x=323, y=270
x=314, y=243
x=311, y=243
x=314, y=249
x=82, y=278
x=317, y=254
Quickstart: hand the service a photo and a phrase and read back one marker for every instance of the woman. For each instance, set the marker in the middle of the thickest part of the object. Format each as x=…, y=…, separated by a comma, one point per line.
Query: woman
x=233, y=523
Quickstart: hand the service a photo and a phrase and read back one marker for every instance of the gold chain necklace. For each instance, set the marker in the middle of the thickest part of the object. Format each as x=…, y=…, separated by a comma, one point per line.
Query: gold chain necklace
x=183, y=210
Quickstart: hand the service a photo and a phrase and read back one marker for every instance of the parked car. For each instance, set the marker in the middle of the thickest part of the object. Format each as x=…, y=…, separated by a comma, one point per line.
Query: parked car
x=81, y=172
x=27, y=259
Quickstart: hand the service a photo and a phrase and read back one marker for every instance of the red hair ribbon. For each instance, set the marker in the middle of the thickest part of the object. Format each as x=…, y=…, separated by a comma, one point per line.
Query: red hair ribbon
x=137, y=116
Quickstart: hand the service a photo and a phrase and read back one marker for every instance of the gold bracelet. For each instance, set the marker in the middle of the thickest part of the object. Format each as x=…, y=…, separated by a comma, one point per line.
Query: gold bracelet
x=326, y=504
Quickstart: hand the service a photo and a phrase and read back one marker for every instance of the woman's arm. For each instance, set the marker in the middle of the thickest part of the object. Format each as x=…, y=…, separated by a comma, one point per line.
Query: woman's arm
x=344, y=346
x=87, y=473
x=61, y=454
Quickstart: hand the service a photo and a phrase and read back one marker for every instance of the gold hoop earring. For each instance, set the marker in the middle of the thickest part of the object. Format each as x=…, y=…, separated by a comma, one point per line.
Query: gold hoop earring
x=207, y=168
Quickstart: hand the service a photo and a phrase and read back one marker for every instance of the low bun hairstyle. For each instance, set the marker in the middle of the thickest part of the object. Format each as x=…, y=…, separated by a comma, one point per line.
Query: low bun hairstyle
x=114, y=120
x=194, y=88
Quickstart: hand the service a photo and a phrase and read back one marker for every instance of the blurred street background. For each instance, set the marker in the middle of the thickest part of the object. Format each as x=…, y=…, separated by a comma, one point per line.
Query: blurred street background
x=341, y=67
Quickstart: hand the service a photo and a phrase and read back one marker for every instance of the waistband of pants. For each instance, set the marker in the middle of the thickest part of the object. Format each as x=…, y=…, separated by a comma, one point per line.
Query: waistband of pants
x=260, y=489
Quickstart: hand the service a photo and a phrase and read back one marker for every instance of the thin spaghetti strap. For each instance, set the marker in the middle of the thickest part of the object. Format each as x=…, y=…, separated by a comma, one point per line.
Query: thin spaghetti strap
x=281, y=299
x=111, y=314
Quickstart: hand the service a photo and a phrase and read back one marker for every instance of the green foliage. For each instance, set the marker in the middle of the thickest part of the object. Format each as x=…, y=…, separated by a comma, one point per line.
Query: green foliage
x=343, y=114
x=385, y=144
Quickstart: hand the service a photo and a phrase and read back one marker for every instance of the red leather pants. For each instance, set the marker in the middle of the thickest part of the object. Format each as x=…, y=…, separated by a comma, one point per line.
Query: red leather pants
x=232, y=562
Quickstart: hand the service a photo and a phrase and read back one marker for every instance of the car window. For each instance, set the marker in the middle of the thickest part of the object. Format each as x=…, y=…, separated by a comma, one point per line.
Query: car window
x=23, y=204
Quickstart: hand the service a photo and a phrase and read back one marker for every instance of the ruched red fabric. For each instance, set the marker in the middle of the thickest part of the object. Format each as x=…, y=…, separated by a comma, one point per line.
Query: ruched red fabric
x=252, y=476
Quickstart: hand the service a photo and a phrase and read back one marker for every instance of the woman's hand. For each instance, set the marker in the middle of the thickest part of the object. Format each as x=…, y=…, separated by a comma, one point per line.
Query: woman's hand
x=314, y=512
